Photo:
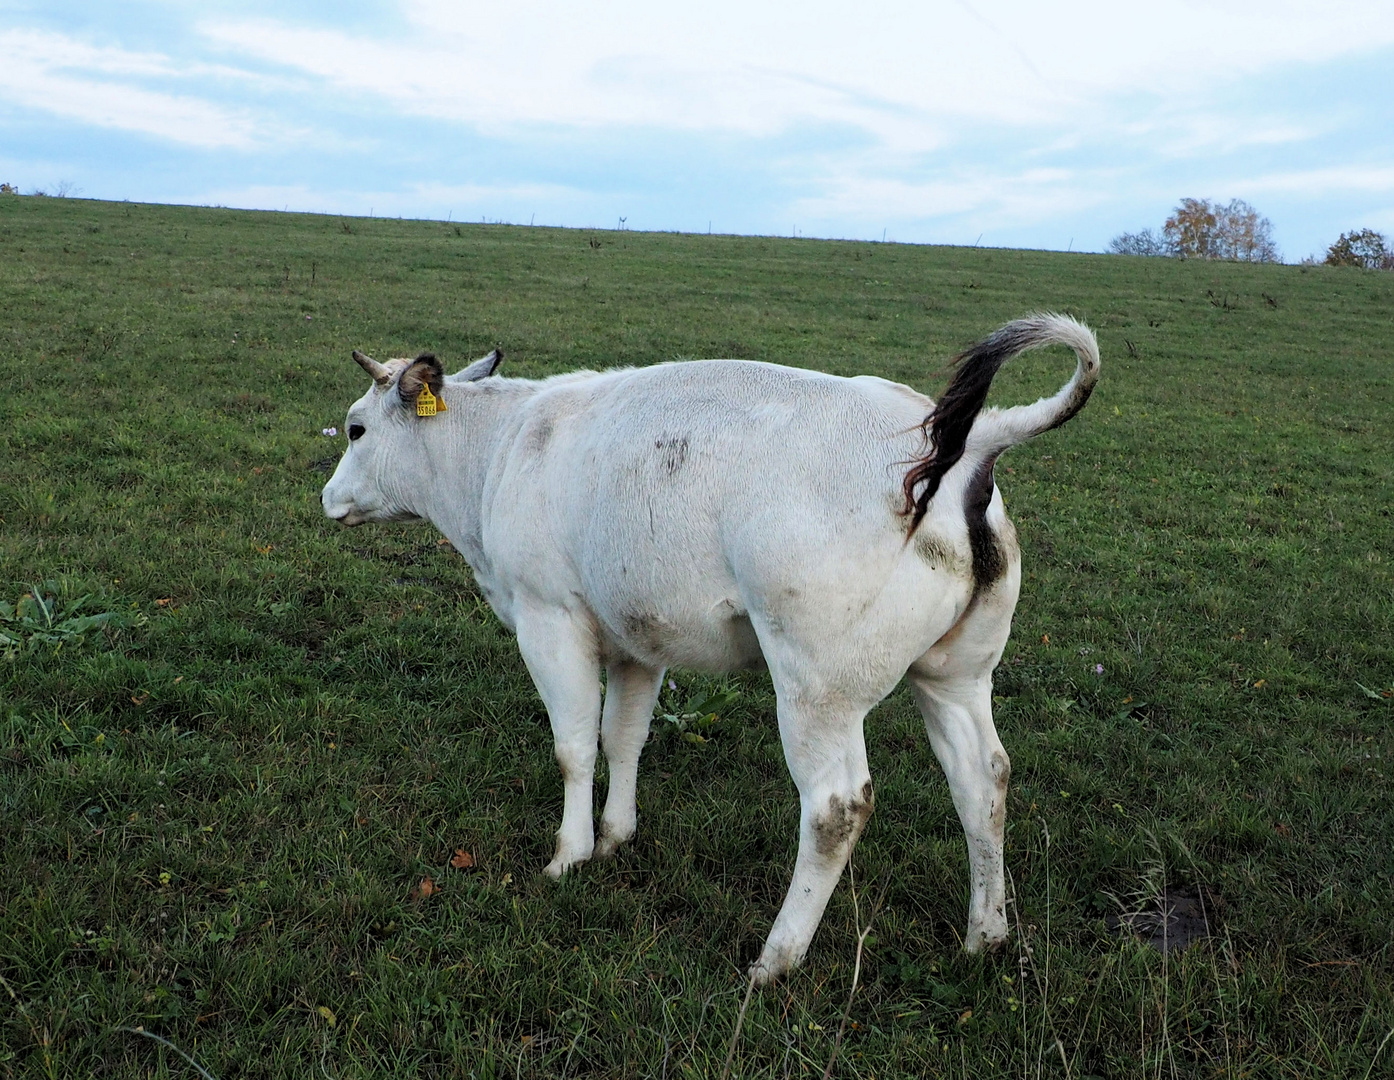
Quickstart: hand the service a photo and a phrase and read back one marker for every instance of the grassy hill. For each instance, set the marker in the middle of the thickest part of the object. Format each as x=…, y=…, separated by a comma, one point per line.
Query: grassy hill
x=220, y=797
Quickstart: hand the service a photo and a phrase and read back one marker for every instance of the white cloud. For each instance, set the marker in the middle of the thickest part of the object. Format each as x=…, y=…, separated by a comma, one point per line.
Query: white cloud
x=1204, y=132
x=1377, y=179
x=53, y=73
x=899, y=70
x=558, y=82
x=994, y=201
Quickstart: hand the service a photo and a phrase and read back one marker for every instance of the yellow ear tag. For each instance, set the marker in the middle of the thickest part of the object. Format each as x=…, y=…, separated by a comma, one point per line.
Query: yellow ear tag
x=427, y=404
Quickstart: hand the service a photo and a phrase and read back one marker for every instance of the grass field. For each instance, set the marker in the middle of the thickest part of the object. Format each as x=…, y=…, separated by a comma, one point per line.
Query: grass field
x=220, y=797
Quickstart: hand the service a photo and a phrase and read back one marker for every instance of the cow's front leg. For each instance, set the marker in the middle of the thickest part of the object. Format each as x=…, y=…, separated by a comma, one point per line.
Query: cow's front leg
x=562, y=657
x=958, y=718
x=631, y=689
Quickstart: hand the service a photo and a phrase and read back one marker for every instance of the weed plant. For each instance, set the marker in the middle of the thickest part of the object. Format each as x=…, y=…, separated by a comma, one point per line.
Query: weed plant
x=285, y=803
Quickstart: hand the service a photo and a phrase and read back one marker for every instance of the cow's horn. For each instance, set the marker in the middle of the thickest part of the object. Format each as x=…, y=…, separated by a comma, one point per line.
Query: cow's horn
x=380, y=374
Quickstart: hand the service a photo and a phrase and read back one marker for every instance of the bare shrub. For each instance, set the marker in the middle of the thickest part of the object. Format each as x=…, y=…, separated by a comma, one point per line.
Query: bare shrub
x=1145, y=242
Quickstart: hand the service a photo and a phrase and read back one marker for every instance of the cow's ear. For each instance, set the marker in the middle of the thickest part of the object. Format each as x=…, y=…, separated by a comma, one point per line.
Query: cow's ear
x=424, y=373
x=480, y=369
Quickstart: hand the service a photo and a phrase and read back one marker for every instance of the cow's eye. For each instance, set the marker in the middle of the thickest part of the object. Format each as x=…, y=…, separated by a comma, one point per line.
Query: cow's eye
x=355, y=431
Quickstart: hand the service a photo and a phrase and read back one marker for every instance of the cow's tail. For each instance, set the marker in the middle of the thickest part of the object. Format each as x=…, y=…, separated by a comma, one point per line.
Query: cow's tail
x=960, y=430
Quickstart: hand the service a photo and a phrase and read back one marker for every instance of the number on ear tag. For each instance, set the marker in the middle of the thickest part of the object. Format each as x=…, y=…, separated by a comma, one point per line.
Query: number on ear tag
x=427, y=404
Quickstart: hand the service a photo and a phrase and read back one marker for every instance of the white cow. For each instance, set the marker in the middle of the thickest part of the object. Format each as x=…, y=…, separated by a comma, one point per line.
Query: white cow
x=723, y=514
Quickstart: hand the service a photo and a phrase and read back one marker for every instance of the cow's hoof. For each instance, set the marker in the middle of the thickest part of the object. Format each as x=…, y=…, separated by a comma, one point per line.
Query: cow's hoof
x=561, y=866
x=605, y=848
x=979, y=941
x=772, y=966
x=609, y=843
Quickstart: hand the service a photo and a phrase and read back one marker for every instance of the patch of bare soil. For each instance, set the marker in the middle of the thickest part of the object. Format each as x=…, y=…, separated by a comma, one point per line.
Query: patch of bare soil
x=1177, y=918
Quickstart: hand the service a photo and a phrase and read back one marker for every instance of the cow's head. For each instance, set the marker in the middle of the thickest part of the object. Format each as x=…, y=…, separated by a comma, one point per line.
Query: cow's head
x=375, y=480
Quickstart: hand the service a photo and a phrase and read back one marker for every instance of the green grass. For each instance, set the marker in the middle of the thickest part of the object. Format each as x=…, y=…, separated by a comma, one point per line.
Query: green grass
x=217, y=807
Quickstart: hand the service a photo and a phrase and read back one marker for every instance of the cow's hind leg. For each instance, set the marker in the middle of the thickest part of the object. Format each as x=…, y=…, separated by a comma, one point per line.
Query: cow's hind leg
x=563, y=659
x=958, y=717
x=826, y=752
x=631, y=689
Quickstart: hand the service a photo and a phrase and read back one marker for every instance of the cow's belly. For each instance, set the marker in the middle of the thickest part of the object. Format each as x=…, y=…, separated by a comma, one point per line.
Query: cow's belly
x=705, y=637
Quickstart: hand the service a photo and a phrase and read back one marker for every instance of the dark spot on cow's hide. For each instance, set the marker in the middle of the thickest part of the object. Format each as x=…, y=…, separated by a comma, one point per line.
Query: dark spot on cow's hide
x=539, y=435
x=645, y=629
x=672, y=452
x=842, y=822
x=933, y=550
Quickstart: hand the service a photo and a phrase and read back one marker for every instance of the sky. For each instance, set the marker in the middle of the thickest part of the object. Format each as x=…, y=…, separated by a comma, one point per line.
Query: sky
x=1007, y=123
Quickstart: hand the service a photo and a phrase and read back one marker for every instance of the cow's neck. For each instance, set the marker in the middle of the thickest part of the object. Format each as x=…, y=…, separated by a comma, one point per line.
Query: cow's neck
x=460, y=454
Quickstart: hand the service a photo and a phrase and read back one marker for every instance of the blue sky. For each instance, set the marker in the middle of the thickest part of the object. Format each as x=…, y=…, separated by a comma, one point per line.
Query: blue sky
x=1008, y=123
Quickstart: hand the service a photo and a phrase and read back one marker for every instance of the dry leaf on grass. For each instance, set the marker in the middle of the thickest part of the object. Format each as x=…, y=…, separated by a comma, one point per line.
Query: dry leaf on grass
x=424, y=889
x=462, y=859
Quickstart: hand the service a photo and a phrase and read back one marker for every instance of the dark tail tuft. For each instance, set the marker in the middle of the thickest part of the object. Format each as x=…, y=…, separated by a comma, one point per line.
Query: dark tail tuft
x=948, y=427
